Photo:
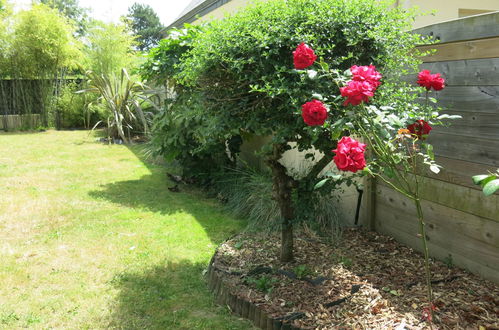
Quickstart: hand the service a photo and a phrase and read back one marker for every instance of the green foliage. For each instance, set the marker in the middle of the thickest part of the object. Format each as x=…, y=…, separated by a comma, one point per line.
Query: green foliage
x=73, y=110
x=181, y=131
x=146, y=25
x=345, y=261
x=41, y=43
x=162, y=61
x=489, y=182
x=449, y=261
x=264, y=283
x=72, y=10
x=302, y=271
x=243, y=64
x=121, y=95
x=110, y=48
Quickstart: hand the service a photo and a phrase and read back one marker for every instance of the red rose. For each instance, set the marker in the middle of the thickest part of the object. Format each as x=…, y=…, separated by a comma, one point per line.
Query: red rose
x=357, y=92
x=314, y=113
x=428, y=80
x=366, y=73
x=420, y=129
x=350, y=155
x=303, y=56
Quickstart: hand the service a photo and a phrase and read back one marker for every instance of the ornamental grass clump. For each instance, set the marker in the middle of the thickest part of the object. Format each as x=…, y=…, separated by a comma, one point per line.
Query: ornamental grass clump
x=270, y=70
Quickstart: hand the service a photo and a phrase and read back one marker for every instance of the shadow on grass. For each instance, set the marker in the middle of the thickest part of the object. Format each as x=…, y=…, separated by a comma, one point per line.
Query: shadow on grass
x=151, y=192
x=169, y=296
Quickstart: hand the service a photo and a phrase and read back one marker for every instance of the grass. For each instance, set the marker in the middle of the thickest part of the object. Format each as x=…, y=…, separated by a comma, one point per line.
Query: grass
x=90, y=237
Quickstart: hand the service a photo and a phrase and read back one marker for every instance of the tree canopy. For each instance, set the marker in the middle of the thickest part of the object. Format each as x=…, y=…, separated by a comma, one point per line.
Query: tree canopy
x=110, y=48
x=145, y=25
x=37, y=43
x=72, y=10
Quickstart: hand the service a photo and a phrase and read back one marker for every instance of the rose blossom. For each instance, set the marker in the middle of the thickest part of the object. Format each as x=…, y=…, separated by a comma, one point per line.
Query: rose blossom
x=366, y=73
x=428, y=80
x=357, y=92
x=350, y=155
x=303, y=56
x=420, y=129
x=314, y=113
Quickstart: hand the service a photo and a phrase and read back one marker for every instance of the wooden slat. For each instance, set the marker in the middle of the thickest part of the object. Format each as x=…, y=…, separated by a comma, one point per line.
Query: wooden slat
x=475, y=27
x=472, y=123
x=461, y=198
x=468, y=227
x=470, y=98
x=477, y=149
x=480, y=72
x=458, y=172
x=463, y=50
x=436, y=251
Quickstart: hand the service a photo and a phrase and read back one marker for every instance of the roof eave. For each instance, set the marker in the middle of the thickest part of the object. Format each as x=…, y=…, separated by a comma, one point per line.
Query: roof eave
x=201, y=10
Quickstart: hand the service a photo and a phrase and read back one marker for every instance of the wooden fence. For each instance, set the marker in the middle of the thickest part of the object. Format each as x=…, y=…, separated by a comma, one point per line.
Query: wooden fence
x=15, y=122
x=462, y=224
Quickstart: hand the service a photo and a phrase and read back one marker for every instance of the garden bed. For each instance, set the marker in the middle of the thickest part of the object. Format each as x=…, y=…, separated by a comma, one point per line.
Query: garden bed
x=366, y=281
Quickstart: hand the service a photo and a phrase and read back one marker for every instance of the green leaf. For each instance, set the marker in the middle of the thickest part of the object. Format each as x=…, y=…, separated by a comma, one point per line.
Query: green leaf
x=477, y=179
x=321, y=183
x=429, y=150
x=435, y=169
x=312, y=74
x=491, y=187
x=318, y=96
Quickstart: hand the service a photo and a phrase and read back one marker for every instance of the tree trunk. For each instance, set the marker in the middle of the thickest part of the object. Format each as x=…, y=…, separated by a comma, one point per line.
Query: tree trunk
x=283, y=188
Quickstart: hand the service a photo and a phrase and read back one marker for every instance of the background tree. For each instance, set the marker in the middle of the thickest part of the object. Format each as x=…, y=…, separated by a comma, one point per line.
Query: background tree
x=110, y=48
x=145, y=25
x=42, y=44
x=72, y=10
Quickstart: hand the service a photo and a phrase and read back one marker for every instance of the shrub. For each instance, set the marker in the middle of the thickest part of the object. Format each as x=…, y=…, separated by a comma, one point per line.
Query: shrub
x=242, y=69
x=70, y=109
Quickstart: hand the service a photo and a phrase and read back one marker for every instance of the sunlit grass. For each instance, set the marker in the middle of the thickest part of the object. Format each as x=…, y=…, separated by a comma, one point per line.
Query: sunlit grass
x=90, y=237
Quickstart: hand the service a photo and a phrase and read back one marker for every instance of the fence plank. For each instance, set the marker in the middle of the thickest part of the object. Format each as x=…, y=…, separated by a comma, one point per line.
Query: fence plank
x=13, y=122
x=457, y=197
x=472, y=124
x=389, y=227
x=440, y=217
x=478, y=149
x=458, y=172
x=463, y=50
x=476, y=72
x=474, y=27
x=470, y=98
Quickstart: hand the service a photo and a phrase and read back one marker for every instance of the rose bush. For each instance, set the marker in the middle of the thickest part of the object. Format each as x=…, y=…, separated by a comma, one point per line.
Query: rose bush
x=395, y=138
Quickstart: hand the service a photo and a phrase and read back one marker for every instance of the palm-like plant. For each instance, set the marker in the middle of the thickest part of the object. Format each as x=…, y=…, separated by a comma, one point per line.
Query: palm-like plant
x=122, y=96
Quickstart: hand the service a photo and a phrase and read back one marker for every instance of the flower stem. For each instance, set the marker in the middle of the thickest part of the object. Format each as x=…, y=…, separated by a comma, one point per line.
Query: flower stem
x=422, y=230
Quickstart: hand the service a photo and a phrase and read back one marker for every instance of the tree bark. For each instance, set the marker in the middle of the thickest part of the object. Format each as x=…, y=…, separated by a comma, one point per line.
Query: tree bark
x=283, y=188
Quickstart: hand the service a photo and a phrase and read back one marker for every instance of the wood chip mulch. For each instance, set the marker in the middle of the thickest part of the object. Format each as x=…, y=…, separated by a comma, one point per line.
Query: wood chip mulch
x=366, y=281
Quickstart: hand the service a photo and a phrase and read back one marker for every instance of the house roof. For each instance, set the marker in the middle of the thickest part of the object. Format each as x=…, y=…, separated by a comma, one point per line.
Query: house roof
x=194, y=9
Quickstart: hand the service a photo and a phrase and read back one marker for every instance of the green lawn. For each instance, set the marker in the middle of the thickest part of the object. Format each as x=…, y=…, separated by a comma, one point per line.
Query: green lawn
x=90, y=237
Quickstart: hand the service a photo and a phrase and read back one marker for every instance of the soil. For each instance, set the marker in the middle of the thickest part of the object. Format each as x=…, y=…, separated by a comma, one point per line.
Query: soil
x=365, y=281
